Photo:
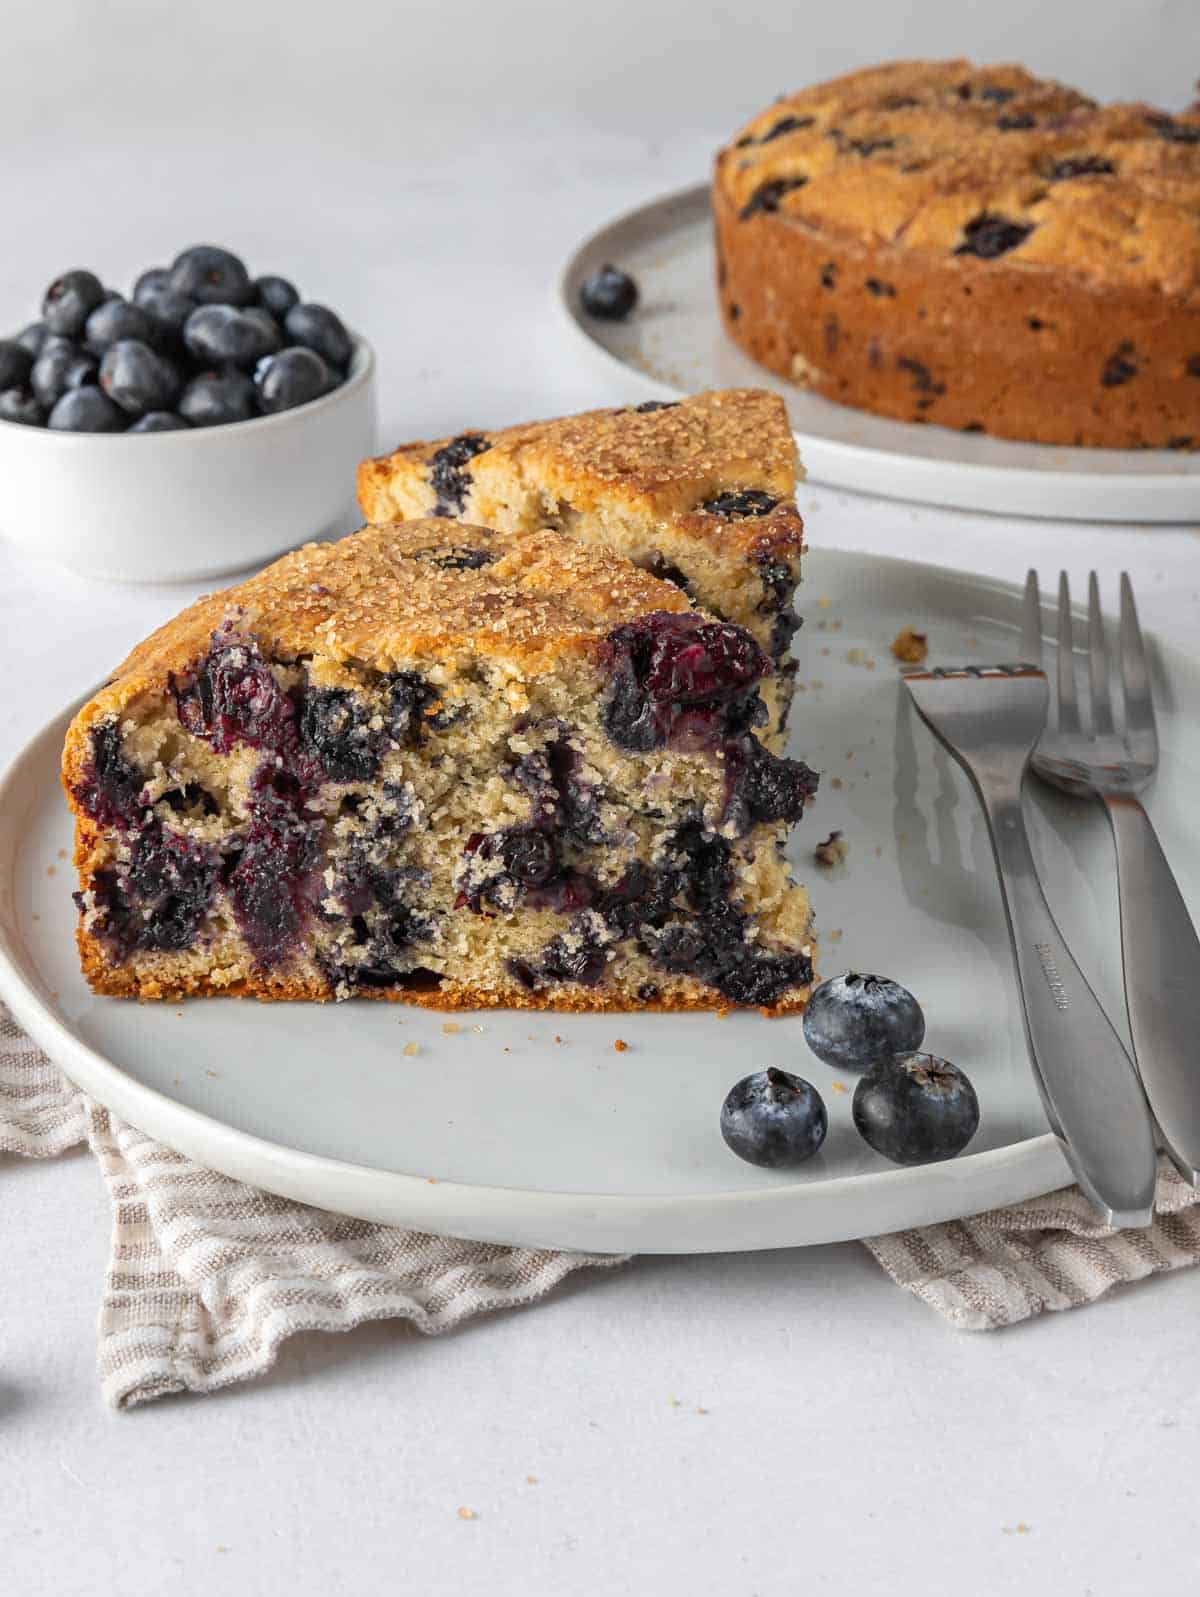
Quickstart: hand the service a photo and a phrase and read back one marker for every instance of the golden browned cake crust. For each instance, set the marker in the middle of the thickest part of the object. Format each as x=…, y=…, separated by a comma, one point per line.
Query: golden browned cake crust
x=377, y=597
x=433, y=763
x=971, y=246
x=700, y=491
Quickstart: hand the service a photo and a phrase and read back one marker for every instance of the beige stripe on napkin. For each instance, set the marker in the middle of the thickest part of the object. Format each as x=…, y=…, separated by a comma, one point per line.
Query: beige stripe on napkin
x=1053, y=1252
x=208, y=1276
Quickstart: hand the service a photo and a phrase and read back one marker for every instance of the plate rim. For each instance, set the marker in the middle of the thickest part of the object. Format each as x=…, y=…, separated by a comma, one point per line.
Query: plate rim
x=1020, y=479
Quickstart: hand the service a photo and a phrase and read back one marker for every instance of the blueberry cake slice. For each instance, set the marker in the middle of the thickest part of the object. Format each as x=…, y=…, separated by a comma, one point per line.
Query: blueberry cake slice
x=699, y=492
x=443, y=765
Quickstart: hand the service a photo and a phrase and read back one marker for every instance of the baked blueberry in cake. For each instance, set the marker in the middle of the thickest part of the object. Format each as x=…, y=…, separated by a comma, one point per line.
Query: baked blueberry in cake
x=700, y=492
x=444, y=765
x=972, y=246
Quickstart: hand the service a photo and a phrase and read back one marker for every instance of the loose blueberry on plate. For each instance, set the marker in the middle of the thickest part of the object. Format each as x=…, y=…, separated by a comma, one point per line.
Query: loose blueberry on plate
x=291, y=378
x=211, y=276
x=16, y=363
x=276, y=294
x=218, y=333
x=853, y=1022
x=216, y=398
x=160, y=421
x=70, y=300
x=138, y=379
x=20, y=405
x=916, y=1109
x=317, y=328
x=609, y=294
x=87, y=410
x=774, y=1119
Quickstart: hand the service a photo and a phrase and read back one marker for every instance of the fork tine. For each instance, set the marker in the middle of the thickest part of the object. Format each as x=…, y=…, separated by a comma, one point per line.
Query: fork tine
x=1102, y=721
x=1031, y=625
x=1135, y=677
x=1068, y=704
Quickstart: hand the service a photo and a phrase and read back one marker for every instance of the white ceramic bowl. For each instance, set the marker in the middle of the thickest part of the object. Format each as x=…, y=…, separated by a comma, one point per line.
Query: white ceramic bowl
x=173, y=507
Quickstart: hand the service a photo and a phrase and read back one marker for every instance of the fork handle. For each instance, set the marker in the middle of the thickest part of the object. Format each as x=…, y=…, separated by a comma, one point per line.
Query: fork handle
x=1088, y=1084
x=1161, y=955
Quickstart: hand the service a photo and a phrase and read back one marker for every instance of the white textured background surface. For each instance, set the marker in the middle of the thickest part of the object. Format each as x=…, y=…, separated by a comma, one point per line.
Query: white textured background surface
x=426, y=170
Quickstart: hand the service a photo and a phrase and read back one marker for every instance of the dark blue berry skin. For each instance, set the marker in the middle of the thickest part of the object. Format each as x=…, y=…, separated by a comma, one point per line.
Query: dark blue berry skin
x=137, y=378
x=87, y=410
x=609, y=294
x=319, y=329
x=167, y=312
x=160, y=421
x=211, y=276
x=276, y=294
x=853, y=1022
x=221, y=334
x=20, y=405
x=774, y=1119
x=217, y=398
x=150, y=281
x=114, y=320
x=70, y=300
x=916, y=1109
x=61, y=366
x=16, y=363
x=32, y=338
x=293, y=377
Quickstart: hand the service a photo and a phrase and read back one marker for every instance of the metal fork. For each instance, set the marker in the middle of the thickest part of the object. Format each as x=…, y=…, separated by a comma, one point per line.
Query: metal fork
x=990, y=718
x=1113, y=759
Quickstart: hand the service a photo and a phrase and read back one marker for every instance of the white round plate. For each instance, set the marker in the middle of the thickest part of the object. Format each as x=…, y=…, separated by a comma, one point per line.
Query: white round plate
x=676, y=343
x=534, y=1128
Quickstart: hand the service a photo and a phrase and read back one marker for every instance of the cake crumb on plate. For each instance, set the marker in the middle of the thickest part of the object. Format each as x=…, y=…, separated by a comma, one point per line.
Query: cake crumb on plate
x=832, y=852
x=910, y=646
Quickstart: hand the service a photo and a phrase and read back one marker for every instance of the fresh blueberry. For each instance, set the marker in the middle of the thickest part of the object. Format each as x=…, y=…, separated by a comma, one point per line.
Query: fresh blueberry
x=215, y=398
x=276, y=294
x=61, y=366
x=114, y=320
x=150, y=282
x=774, y=1119
x=316, y=327
x=167, y=312
x=293, y=377
x=137, y=378
x=211, y=276
x=70, y=300
x=16, y=363
x=219, y=334
x=853, y=1022
x=160, y=421
x=20, y=405
x=87, y=410
x=32, y=338
x=609, y=294
x=915, y=1109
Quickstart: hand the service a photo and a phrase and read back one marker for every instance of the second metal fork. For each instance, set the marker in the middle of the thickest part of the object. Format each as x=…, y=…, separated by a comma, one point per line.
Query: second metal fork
x=1112, y=759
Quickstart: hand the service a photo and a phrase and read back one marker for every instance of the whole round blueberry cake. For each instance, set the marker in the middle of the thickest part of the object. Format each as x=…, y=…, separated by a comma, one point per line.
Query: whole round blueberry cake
x=971, y=246
x=444, y=765
x=699, y=492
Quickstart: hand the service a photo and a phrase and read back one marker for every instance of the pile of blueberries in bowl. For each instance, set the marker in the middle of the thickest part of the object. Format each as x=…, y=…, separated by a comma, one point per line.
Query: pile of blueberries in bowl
x=199, y=343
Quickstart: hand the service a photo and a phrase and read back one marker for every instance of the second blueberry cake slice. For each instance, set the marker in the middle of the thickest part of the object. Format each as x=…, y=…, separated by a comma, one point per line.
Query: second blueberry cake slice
x=699, y=492
x=444, y=765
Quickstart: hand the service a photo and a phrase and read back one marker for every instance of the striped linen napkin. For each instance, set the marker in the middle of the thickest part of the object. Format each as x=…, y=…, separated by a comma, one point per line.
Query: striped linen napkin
x=208, y=1276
